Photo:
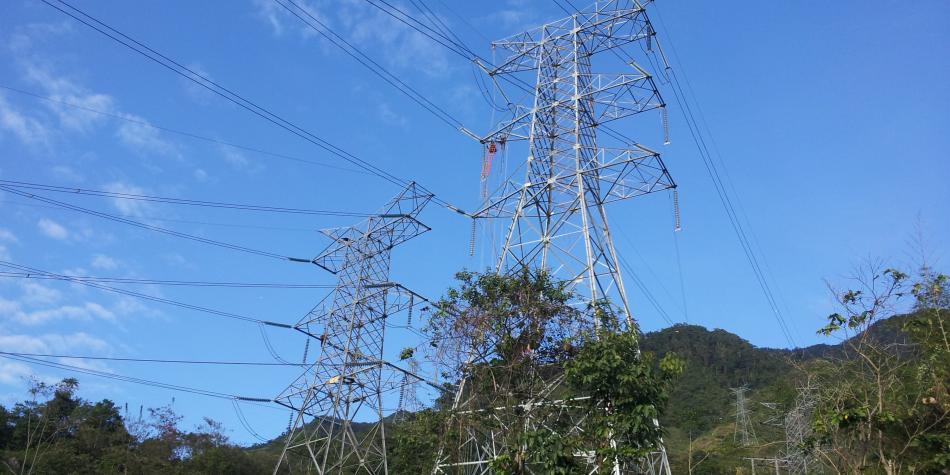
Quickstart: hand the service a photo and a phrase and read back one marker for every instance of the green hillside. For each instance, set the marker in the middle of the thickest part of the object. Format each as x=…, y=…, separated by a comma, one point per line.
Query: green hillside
x=699, y=423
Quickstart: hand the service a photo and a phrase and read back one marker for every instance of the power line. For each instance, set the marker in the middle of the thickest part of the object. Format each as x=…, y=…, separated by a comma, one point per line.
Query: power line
x=237, y=99
x=645, y=290
x=140, y=295
x=217, y=89
x=170, y=130
x=179, y=201
x=180, y=283
x=131, y=379
x=712, y=170
x=324, y=30
x=149, y=360
x=408, y=20
x=150, y=227
x=182, y=221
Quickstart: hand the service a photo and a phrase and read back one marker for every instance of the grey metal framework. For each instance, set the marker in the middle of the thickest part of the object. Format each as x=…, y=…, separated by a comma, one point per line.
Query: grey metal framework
x=349, y=377
x=745, y=431
x=555, y=204
x=558, y=220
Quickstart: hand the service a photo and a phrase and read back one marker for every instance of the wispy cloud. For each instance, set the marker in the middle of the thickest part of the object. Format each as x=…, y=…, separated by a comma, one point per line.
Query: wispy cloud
x=28, y=130
x=53, y=229
x=373, y=31
x=86, y=311
x=239, y=161
x=102, y=261
x=389, y=116
x=64, y=90
x=7, y=236
x=125, y=206
x=39, y=294
x=41, y=73
x=13, y=372
x=52, y=343
x=67, y=173
x=145, y=139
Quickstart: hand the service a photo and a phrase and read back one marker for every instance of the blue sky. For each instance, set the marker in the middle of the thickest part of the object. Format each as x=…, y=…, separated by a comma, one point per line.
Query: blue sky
x=831, y=120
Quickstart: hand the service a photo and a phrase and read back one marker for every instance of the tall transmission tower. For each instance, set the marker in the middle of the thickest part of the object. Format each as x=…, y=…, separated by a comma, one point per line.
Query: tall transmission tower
x=558, y=219
x=745, y=432
x=555, y=204
x=349, y=377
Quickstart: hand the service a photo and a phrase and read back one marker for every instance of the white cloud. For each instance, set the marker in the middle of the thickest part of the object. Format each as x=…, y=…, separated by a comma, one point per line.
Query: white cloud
x=174, y=259
x=370, y=29
x=12, y=372
x=27, y=130
x=8, y=236
x=389, y=116
x=126, y=206
x=63, y=90
x=102, y=261
x=84, y=312
x=4, y=253
x=271, y=13
x=39, y=294
x=201, y=175
x=238, y=160
x=53, y=229
x=52, y=343
x=142, y=137
x=67, y=173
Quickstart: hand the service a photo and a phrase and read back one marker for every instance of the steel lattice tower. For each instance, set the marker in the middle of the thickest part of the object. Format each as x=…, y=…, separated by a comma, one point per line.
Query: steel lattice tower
x=556, y=207
x=350, y=375
x=745, y=432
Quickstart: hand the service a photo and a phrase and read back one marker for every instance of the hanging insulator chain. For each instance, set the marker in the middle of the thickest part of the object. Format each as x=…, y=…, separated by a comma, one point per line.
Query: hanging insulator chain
x=471, y=244
x=306, y=350
x=666, y=125
x=411, y=304
x=676, y=211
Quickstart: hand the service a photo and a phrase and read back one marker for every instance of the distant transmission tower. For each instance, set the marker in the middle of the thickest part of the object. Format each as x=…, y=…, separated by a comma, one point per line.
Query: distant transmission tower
x=745, y=432
x=409, y=402
x=555, y=203
x=347, y=381
x=798, y=458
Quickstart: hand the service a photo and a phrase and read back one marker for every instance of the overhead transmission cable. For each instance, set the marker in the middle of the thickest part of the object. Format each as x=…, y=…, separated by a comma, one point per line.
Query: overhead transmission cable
x=144, y=123
x=176, y=283
x=237, y=99
x=304, y=15
x=178, y=201
x=713, y=172
x=727, y=202
x=131, y=379
x=130, y=293
x=150, y=217
x=150, y=227
x=148, y=360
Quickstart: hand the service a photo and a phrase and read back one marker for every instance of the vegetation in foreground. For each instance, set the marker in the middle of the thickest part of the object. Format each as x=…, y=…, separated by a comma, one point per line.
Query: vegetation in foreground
x=879, y=397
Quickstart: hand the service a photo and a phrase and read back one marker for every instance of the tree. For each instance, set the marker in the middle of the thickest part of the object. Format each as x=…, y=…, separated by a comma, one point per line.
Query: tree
x=884, y=404
x=547, y=379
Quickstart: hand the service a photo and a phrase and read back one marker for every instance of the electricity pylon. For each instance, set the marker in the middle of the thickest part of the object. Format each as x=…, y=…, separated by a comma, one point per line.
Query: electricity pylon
x=745, y=432
x=558, y=220
x=556, y=205
x=347, y=381
x=798, y=457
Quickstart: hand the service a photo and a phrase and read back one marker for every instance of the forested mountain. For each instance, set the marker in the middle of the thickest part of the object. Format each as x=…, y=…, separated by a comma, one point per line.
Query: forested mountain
x=61, y=433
